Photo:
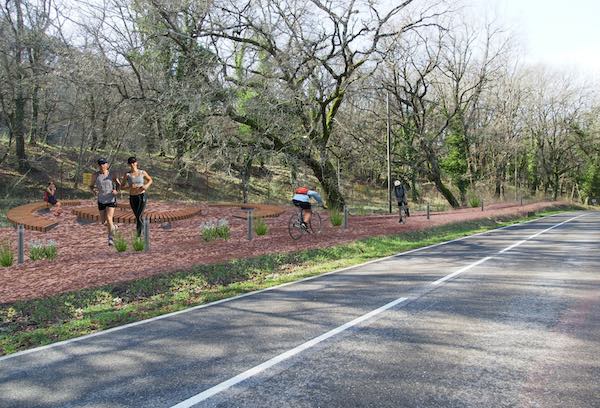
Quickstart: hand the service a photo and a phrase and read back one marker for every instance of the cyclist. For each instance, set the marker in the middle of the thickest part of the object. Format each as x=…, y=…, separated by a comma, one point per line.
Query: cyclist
x=400, y=192
x=301, y=198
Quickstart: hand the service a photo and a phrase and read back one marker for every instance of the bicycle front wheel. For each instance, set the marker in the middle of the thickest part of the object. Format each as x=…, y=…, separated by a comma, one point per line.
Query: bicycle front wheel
x=315, y=223
x=294, y=227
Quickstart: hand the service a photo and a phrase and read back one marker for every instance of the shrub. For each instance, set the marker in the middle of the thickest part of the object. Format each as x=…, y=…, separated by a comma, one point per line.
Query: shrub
x=336, y=217
x=120, y=243
x=6, y=255
x=42, y=250
x=211, y=230
x=261, y=227
x=138, y=243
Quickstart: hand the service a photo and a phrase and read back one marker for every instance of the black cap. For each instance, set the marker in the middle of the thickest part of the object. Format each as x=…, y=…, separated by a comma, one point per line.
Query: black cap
x=102, y=161
x=132, y=159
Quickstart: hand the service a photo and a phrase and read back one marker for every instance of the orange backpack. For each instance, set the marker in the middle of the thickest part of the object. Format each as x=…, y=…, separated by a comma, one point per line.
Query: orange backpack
x=301, y=190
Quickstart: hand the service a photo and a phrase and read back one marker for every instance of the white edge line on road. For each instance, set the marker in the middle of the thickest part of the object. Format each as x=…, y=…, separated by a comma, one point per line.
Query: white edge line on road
x=281, y=357
x=508, y=248
x=217, y=302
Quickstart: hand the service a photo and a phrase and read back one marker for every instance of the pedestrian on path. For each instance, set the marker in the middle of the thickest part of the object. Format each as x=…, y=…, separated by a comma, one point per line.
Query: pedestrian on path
x=138, y=181
x=105, y=186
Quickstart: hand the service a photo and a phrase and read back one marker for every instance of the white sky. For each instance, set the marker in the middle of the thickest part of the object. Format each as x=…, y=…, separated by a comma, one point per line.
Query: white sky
x=558, y=33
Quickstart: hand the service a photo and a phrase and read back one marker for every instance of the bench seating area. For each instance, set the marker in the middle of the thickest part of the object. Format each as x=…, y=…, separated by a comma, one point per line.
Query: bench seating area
x=26, y=215
x=126, y=216
x=260, y=210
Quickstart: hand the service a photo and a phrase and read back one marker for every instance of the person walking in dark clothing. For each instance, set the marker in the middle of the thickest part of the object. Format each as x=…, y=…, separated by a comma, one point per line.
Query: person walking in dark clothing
x=400, y=193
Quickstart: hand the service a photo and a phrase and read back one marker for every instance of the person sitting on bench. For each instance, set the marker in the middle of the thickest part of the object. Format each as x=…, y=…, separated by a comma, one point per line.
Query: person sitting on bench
x=50, y=198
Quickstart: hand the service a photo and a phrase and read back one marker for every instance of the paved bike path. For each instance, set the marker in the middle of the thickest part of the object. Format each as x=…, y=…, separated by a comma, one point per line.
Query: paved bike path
x=165, y=361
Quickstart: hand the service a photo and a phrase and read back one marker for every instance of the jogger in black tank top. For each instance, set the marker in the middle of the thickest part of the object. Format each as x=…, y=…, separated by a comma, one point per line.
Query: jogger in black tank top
x=138, y=181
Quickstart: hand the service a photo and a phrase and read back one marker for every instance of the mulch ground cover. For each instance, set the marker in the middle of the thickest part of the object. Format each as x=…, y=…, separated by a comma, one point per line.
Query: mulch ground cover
x=85, y=259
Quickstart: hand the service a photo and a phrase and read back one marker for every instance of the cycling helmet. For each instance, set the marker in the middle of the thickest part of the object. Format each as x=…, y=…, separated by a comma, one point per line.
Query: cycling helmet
x=397, y=183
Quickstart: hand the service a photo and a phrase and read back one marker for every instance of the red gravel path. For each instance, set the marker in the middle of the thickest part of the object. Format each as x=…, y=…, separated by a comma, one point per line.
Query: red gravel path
x=85, y=260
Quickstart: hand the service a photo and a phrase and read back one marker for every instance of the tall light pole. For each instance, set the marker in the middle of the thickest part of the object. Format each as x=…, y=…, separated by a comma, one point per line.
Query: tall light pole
x=389, y=153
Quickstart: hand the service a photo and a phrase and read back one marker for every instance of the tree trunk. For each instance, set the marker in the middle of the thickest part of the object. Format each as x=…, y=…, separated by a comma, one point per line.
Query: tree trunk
x=19, y=127
x=434, y=174
x=19, y=117
x=326, y=173
x=245, y=171
x=35, y=108
x=445, y=191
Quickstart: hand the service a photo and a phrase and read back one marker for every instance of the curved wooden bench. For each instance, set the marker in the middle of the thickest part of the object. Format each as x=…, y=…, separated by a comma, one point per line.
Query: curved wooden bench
x=127, y=217
x=25, y=215
x=260, y=210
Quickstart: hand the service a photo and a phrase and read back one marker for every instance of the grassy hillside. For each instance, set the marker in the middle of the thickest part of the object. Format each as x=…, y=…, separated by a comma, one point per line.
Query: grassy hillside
x=66, y=167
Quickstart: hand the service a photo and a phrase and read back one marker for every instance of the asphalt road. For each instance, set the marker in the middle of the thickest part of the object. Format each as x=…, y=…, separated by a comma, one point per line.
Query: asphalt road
x=509, y=318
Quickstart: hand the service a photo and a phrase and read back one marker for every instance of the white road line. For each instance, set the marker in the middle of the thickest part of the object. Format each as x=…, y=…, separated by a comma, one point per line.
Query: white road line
x=225, y=385
x=508, y=248
x=466, y=268
x=168, y=315
x=281, y=357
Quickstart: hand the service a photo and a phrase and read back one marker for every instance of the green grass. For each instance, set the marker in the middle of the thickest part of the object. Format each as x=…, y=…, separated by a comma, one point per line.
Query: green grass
x=137, y=243
x=6, y=255
x=120, y=242
x=261, y=227
x=215, y=229
x=474, y=202
x=42, y=250
x=336, y=217
x=27, y=324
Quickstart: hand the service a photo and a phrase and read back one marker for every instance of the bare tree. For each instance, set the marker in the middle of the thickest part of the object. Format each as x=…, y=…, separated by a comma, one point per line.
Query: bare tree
x=310, y=53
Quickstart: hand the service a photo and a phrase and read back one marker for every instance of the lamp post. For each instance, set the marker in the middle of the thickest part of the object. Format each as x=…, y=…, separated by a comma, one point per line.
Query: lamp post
x=389, y=153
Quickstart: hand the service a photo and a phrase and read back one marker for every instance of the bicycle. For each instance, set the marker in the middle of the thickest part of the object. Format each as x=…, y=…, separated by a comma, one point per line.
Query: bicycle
x=297, y=228
x=402, y=213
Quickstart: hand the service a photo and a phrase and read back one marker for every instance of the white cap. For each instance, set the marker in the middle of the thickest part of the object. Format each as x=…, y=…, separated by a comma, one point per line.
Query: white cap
x=397, y=183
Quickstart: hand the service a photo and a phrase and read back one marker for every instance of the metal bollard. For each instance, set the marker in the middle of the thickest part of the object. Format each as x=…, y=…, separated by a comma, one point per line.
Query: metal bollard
x=345, y=217
x=427, y=210
x=146, y=231
x=482, y=204
x=21, y=243
x=250, y=216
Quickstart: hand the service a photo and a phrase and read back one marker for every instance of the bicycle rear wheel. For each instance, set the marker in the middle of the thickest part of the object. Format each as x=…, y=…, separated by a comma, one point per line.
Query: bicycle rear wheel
x=295, y=227
x=315, y=223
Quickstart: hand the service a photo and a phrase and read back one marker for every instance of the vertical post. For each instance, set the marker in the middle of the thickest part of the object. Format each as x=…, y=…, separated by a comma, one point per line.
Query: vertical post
x=521, y=201
x=516, y=181
x=21, y=243
x=427, y=210
x=345, y=217
x=389, y=153
x=146, y=231
x=482, y=204
x=250, y=216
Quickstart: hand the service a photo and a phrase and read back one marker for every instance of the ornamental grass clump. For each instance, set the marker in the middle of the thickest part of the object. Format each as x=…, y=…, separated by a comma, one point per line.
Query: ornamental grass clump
x=336, y=217
x=120, y=242
x=261, y=227
x=474, y=202
x=42, y=250
x=215, y=229
x=6, y=255
x=137, y=243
